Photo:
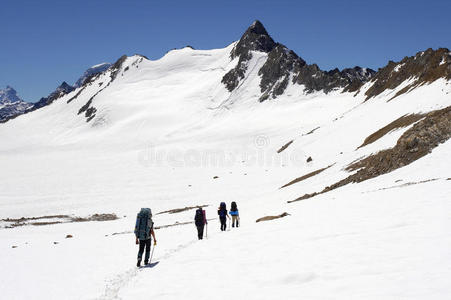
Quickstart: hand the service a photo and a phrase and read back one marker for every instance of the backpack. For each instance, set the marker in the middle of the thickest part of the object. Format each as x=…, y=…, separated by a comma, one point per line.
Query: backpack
x=222, y=212
x=199, y=217
x=233, y=207
x=144, y=224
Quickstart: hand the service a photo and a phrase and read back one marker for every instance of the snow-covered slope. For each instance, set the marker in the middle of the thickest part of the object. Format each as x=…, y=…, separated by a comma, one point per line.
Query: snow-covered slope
x=169, y=134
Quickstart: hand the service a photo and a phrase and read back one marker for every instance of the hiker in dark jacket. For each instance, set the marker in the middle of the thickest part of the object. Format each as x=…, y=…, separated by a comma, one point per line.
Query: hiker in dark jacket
x=235, y=214
x=200, y=219
x=143, y=233
x=222, y=213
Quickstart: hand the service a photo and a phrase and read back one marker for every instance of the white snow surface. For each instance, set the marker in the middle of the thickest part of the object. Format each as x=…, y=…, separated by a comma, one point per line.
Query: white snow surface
x=163, y=129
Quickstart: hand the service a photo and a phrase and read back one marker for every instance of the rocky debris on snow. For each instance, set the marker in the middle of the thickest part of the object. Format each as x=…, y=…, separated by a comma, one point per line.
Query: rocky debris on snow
x=179, y=210
x=309, y=159
x=418, y=141
x=69, y=236
x=55, y=219
x=76, y=95
x=96, y=217
x=306, y=176
x=284, y=146
x=311, y=131
x=404, y=184
x=401, y=122
x=269, y=218
x=90, y=111
x=215, y=177
x=425, y=67
x=14, y=246
x=55, y=243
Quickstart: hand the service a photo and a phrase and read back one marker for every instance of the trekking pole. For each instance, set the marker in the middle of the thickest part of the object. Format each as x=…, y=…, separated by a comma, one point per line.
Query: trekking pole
x=151, y=255
x=206, y=231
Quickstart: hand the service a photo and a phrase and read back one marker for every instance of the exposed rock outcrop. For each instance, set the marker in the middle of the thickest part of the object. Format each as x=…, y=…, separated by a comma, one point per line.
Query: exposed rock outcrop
x=425, y=67
x=418, y=141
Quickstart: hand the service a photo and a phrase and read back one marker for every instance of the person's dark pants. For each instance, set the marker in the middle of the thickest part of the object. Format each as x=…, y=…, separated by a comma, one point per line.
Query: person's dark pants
x=223, y=223
x=200, y=231
x=144, y=244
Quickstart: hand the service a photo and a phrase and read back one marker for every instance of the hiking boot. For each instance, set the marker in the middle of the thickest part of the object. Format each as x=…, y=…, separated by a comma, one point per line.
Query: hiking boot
x=138, y=264
x=146, y=263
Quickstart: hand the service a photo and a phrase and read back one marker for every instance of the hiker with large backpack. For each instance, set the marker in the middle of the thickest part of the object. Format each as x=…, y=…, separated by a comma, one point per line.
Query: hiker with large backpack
x=200, y=219
x=235, y=214
x=222, y=213
x=144, y=232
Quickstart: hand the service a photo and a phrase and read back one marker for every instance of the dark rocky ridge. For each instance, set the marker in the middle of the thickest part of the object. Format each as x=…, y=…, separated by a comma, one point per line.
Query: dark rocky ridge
x=60, y=91
x=283, y=64
x=426, y=66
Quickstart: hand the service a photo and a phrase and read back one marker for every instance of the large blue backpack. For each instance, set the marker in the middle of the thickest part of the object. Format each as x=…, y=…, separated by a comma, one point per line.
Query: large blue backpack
x=144, y=224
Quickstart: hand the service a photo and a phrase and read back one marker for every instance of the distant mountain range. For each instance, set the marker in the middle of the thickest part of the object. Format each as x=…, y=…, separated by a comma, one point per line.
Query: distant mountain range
x=277, y=69
x=12, y=106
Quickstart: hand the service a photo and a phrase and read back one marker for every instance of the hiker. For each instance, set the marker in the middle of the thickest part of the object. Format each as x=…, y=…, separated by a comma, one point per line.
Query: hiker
x=200, y=219
x=235, y=214
x=222, y=212
x=143, y=233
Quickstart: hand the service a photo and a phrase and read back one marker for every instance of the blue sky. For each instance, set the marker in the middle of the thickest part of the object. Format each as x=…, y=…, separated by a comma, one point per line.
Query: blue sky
x=46, y=42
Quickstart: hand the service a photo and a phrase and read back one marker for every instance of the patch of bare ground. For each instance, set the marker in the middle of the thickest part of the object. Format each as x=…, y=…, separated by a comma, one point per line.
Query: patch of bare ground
x=269, y=218
x=401, y=122
x=55, y=219
x=304, y=177
x=179, y=210
x=415, y=143
x=284, y=146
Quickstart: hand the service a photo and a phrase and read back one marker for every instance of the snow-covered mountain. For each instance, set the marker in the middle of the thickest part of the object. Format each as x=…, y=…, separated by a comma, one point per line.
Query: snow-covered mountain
x=92, y=71
x=358, y=161
x=18, y=107
x=11, y=104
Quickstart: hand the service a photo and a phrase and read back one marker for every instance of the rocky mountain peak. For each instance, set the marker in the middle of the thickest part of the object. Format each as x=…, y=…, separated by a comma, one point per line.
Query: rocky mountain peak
x=65, y=87
x=283, y=66
x=10, y=104
x=8, y=95
x=256, y=38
